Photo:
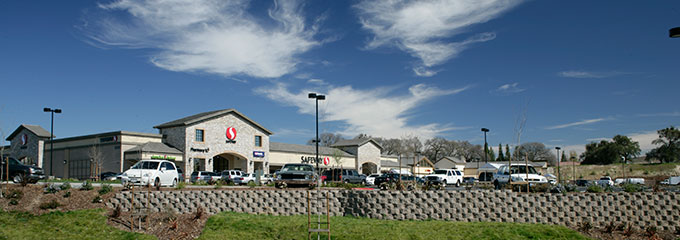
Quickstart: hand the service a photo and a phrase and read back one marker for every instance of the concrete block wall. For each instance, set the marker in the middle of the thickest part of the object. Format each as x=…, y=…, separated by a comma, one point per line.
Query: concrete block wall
x=638, y=209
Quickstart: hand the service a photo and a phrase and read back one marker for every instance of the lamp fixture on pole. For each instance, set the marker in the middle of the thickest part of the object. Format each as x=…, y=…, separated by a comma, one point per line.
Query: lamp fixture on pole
x=52, y=111
x=674, y=32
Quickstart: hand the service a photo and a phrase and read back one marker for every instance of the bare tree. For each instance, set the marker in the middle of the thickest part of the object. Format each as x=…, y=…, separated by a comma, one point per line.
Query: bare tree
x=468, y=151
x=327, y=139
x=96, y=160
x=535, y=151
x=436, y=148
x=390, y=146
x=410, y=145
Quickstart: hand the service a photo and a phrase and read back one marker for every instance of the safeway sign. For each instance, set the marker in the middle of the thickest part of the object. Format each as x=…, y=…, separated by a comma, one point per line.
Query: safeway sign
x=326, y=161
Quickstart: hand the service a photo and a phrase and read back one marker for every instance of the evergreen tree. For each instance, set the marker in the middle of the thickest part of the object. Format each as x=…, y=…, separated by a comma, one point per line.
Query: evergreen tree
x=492, y=155
x=507, y=152
x=500, y=153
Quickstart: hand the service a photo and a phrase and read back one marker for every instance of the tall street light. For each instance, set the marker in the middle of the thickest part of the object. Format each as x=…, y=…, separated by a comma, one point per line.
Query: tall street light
x=485, y=130
x=52, y=111
x=317, y=97
x=558, y=164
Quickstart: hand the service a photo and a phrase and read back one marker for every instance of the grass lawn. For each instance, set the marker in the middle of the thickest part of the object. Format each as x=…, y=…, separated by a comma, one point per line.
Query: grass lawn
x=82, y=224
x=228, y=225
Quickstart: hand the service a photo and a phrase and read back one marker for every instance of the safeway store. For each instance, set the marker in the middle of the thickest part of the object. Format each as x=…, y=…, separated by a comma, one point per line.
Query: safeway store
x=209, y=141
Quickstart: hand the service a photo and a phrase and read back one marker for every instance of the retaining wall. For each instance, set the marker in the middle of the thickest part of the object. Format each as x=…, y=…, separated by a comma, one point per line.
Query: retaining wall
x=639, y=209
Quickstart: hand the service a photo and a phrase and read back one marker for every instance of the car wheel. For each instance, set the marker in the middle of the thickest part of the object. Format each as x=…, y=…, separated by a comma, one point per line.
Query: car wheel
x=157, y=183
x=458, y=184
x=18, y=178
x=444, y=182
x=346, y=181
x=174, y=183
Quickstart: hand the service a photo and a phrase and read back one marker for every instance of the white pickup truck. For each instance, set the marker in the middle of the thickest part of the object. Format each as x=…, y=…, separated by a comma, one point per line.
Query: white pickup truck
x=605, y=181
x=518, y=173
x=445, y=176
x=671, y=181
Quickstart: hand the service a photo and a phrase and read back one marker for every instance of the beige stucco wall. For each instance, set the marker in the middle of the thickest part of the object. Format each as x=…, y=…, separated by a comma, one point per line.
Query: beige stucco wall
x=280, y=158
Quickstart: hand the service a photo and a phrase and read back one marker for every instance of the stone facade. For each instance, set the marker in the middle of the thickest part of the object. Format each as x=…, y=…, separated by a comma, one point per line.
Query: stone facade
x=31, y=152
x=638, y=209
x=239, y=154
x=368, y=153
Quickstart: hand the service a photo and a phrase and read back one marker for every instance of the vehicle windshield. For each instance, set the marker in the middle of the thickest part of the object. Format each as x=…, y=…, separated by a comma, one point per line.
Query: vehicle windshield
x=522, y=169
x=439, y=171
x=145, y=165
x=305, y=168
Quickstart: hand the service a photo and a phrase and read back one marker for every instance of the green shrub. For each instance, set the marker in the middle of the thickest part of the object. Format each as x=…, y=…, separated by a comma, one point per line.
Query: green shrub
x=180, y=185
x=646, y=172
x=218, y=185
x=14, y=194
x=51, y=188
x=97, y=199
x=629, y=187
x=252, y=184
x=13, y=202
x=87, y=186
x=592, y=173
x=50, y=205
x=594, y=189
x=67, y=194
x=106, y=188
x=65, y=186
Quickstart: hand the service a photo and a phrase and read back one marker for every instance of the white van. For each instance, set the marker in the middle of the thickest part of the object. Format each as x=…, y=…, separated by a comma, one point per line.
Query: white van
x=151, y=172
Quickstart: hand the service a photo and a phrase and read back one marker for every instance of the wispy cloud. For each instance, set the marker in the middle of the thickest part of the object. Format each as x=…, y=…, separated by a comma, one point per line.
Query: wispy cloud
x=316, y=81
x=377, y=112
x=666, y=114
x=584, y=122
x=598, y=139
x=424, y=28
x=588, y=74
x=507, y=89
x=217, y=37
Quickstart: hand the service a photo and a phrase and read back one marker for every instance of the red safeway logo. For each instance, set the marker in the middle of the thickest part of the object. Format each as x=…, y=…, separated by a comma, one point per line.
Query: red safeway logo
x=231, y=133
x=326, y=160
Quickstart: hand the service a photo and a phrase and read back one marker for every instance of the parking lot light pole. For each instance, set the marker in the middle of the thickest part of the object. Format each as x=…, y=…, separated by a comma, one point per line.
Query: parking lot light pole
x=674, y=32
x=317, y=97
x=558, y=164
x=52, y=111
x=486, y=152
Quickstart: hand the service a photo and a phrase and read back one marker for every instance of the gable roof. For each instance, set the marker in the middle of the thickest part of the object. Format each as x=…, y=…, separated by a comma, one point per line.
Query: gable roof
x=500, y=163
x=308, y=149
x=452, y=159
x=197, y=118
x=154, y=147
x=35, y=129
x=356, y=143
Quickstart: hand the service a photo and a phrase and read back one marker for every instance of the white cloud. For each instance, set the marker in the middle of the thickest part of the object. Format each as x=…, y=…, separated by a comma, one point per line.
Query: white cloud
x=316, y=81
x=665, y=114
x=598, y=139
x=507, y=89
x=588, y=74
x=584, y=122
x=376, y=112
x=645, y=139
x=424, y=28
x=211, y=36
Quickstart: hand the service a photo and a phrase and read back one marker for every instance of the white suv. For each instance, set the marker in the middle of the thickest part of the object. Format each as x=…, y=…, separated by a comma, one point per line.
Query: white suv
x=155, y=172
x=445, y=176
x=518, y=173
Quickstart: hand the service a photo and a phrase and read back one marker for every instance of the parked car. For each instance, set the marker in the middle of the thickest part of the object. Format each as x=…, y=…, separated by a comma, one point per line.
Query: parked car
x=266, y=179
x=605, y=181
x=19, y=172
x=583, y=183
x=393, y=177
x=517, y=173
x=671, y=181
x=245, y=178
x=180, y=174
x=201, y=176
x=229, y=176
x=469, y=180
x=296, y=174
x=445, y=176
x=109, y=176
x=156, y=172
x=370, y=180
x=343, y=175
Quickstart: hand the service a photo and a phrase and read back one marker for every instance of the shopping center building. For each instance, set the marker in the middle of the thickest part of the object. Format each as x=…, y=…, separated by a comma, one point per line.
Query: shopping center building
x=209, y=141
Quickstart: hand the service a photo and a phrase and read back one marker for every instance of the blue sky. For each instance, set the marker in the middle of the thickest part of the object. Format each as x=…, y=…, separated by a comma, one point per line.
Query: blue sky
x=581, y=70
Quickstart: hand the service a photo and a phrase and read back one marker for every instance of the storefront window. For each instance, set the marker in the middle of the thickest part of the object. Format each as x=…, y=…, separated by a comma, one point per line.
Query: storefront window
x=199, y=135
x=258, y=141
